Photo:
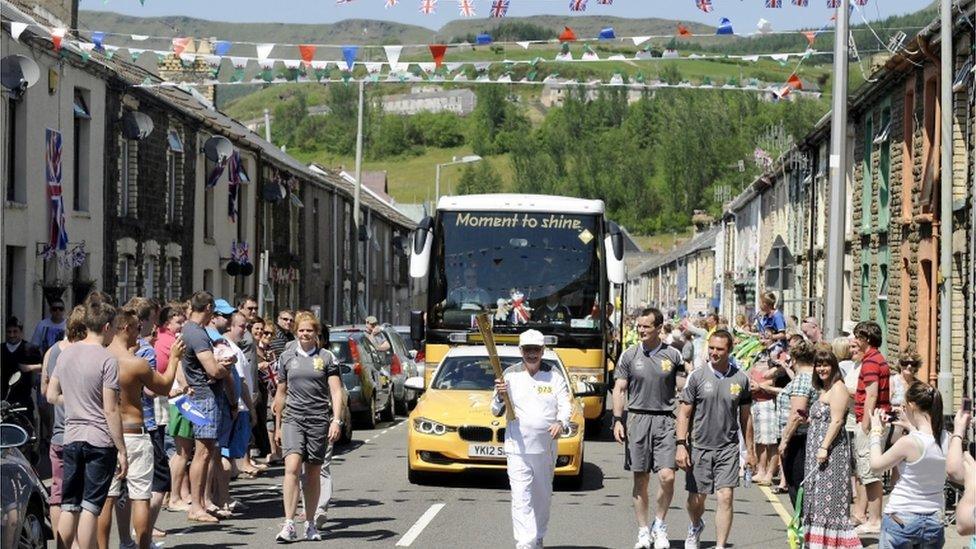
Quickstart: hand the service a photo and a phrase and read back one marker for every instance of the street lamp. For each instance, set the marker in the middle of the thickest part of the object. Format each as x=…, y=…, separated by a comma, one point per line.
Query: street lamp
x=437, y=179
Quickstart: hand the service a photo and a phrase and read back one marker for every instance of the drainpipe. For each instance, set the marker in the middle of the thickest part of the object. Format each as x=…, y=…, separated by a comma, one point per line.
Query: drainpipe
x=336, y=282
x=758, y=237
x=945, y=211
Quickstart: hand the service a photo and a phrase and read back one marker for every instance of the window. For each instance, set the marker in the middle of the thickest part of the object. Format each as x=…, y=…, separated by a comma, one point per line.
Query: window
x=126, y=288
x=128, y=177
x=150, y=276
x=293, y=228
x=15, y=274
x=16, y=190
x=315, y=230
x=82, y=151
x=908, y=151
x=884, y=168
x=866, y=190
x=208, y=202
x=930, y=147
x=174, y=178
x=208, y=280
x=171, y=275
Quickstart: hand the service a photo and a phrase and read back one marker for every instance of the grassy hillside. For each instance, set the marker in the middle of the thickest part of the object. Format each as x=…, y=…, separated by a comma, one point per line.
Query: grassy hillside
x=583, y=26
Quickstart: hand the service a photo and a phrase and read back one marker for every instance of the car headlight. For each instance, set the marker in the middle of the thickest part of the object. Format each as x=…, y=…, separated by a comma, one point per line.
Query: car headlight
x=587, y=375
x=431, y=427
x=571, y=431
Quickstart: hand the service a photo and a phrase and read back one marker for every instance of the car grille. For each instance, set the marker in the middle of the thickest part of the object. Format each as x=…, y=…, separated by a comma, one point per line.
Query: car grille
x=475, y=434
x=501, y=435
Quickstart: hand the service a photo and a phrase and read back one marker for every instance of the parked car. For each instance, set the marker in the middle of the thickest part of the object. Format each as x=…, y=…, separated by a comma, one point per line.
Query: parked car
x=23, y=496
x=415, y=348
x=402, y=367
x=365, y=375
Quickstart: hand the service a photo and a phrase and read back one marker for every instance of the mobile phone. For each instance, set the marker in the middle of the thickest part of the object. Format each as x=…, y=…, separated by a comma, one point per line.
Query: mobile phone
x=967, y=404
x=893, y=416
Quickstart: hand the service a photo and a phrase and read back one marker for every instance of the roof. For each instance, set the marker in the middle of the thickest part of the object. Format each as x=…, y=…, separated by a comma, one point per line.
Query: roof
x=376, y=182
x=503, y=350
x=703, y=241
x=520, y=203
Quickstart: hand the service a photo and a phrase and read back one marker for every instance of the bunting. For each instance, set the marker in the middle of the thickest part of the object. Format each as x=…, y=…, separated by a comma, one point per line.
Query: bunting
x=391, y=4
x=607, y=34
x=704, y=5
x=774, y=3
x=428, y=7
x=437, y=51
x=16, y=29
x=57, y=35
x=682, y=31
x=724, y=27
x=466, y=8
x=307, y=52
x=577, y=5
x=567, y=35
x=349, y=54
x=499, y=8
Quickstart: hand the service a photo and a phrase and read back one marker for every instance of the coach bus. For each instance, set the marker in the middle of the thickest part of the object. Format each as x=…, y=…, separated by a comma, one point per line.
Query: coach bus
x=552, y=263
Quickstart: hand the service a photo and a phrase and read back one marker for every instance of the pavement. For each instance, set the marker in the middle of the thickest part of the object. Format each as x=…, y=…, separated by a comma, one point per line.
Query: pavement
x=375, y=506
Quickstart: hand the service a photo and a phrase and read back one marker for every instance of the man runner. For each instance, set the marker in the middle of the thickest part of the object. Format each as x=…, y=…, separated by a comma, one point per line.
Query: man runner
x=718, y=396
x=647, y=377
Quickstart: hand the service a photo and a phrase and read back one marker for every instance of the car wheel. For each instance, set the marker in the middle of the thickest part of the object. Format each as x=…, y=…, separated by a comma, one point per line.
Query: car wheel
x=32, y=531
x=417, y=477
x=368, y=418
x=345, y=437
x=388, y=411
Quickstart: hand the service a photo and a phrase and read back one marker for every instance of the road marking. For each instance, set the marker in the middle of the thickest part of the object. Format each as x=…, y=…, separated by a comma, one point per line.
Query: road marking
x=777, y=505
x=419, y=526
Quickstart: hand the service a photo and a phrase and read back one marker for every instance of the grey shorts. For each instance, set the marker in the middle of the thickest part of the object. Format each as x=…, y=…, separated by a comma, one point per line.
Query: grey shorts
x=650, y=443
x=712, y=470
x=309, y=439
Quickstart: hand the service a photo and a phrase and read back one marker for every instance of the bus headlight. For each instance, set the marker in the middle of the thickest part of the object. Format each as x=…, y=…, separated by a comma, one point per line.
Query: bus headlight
x=431, y=427
x=588, y=375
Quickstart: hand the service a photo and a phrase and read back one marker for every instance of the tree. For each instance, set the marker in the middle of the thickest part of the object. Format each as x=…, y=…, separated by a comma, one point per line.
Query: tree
x=480, y=178
x=671, y=74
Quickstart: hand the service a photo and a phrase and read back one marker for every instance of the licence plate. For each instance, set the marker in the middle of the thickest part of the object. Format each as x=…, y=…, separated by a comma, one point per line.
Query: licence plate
x=490, y=451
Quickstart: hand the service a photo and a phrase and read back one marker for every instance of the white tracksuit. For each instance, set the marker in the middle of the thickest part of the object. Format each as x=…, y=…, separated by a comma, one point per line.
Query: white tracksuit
x=539, y=401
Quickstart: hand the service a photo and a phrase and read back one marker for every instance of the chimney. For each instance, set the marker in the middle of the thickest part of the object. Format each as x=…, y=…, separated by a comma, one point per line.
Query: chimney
x=192, y=67
x=701, y=221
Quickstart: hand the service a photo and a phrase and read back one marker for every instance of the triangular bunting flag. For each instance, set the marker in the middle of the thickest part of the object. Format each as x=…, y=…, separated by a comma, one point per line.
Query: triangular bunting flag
x=57, y=35
x=264, y=50
x=567, y=35
x=139, y=37
x=393, y=54
x=752, y=58
x=134, y=53
x=222, y=47
x=437, y=51
x=764, y=26
x=483, y=39
x=525, y=44
x=307, y=52
x=589, y=54
x=782, y=58
x=638, y=40
x=86, y=49
x=349, y=54
x=607, y=34
x=373, y=67
x=794, y=82
x=811, y=36
x=16, y=29
x=724, y=26
x=683, y=31
x=181, y=44
x=98, y=38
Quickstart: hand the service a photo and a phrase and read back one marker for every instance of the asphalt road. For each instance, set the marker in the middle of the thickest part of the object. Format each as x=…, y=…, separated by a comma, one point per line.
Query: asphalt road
x=375, y=506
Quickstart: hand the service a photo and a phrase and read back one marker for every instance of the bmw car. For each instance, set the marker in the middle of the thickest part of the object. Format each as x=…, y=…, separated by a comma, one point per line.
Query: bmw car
x=452, y=429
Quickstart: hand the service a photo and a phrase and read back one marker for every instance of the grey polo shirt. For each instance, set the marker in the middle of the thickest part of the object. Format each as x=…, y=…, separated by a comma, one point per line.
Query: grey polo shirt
x=716, y=399
x=308, y=395
x=651, y=377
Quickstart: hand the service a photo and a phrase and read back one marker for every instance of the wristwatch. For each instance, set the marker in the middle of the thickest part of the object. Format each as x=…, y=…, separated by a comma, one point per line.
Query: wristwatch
x=682, y=442
x=339, y=421
x=618, y=419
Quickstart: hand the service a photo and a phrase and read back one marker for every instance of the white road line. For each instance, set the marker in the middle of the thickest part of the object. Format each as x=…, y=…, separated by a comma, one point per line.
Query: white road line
x=419, y=526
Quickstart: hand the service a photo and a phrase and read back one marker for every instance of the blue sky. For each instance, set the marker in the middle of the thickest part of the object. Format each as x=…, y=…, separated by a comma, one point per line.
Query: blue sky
x=741, y=12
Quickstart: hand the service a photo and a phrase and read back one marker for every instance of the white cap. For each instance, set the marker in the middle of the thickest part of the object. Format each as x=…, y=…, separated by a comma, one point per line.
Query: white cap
x=532, y=337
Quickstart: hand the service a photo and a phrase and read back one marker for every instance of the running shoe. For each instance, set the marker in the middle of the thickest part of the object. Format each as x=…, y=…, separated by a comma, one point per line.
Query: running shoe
x=311, y=533
x=320, y=520
x=694, y=535
x=287, y=533
x=660, y=534
x=643, y=539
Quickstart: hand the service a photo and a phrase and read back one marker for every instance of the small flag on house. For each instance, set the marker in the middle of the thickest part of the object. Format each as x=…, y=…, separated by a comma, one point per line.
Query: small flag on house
x=577, y=5
x=428, y=7
x=704, y=5
x=466, y=8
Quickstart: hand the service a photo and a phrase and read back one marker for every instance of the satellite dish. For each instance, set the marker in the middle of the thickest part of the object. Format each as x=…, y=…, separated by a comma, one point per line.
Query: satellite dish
x=247, y=269
x=218, y=149
x=233, y=268
x=19, y=73
x=136, y=125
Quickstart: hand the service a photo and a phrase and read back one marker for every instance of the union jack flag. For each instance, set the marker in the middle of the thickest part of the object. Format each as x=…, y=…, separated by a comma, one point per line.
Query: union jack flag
x=577, y=5
x=605, y=2
x=499, y=8
x=704, y=5
x=59, y=234
x=774, y=3
x=466, y=8
x=428, y=7
x=391, y=3
x=801, y=3
x=833, y=3
x=861, y=2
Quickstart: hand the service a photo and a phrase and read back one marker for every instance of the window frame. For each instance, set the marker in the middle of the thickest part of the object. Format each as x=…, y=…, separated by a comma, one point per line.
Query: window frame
x=884, y=166
x=867, y=190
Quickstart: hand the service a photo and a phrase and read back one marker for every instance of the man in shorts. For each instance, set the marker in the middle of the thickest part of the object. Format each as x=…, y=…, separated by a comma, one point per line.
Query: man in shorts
x=873, y=391
x=718, y=397
x=93, y=442
x=136, y=376
x=205, y=375
x=647, y=377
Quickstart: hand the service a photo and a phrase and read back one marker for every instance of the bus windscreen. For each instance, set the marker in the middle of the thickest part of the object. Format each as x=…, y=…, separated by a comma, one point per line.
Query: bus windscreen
x=529, y=269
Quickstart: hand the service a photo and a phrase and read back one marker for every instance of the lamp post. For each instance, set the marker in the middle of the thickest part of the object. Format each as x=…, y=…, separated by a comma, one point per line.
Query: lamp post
x=437, y=178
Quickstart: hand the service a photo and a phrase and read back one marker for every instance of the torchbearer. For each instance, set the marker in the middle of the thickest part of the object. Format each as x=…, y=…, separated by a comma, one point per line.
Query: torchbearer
x=541, y=401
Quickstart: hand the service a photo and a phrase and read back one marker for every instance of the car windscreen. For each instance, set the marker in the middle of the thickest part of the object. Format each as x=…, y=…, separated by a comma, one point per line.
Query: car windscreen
x=474, y=373
x=340, y=348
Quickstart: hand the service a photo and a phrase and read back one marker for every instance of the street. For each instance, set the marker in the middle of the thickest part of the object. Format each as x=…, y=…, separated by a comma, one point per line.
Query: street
x=375, y=506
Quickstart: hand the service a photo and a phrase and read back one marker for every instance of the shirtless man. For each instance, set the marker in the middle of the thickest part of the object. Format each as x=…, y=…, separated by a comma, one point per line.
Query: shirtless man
x=135, y=377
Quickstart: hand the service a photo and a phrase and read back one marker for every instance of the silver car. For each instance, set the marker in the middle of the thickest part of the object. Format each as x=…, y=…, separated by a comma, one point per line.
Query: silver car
x=402, y=367
x=24, y=498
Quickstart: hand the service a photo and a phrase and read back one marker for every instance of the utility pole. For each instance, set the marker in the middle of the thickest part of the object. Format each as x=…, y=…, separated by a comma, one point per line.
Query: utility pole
x=356, y=216
x=945, y=208
x=837, y=226
x=267, y=125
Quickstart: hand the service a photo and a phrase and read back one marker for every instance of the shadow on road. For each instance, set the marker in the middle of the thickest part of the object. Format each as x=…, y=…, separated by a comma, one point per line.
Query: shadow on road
x=349, y=529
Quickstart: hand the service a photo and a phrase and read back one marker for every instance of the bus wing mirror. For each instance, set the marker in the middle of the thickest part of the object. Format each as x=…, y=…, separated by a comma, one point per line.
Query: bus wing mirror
x=423, y=240
x=614, y=247
x=417, y=326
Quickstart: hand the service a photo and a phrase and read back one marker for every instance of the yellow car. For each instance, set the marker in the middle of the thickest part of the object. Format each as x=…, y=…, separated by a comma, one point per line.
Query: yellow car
x=452, y=430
